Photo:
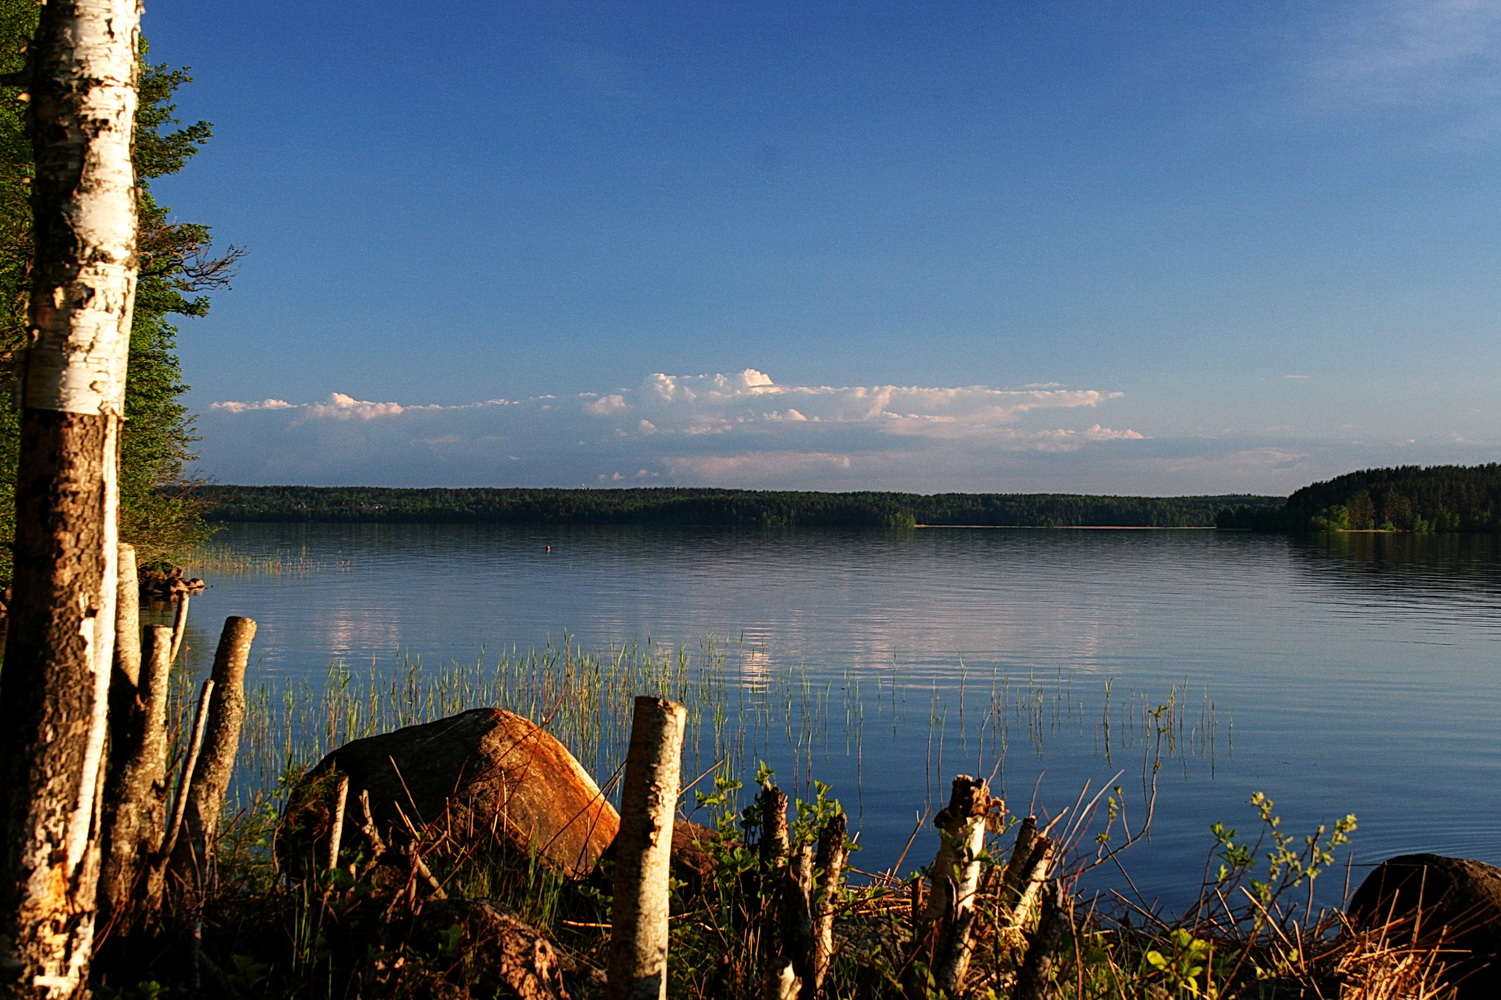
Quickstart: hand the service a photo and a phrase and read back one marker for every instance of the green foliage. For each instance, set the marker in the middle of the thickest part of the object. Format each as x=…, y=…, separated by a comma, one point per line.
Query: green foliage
x=176, y=260
x=1185, y=965
x=1288, y=865
x=1440, y=498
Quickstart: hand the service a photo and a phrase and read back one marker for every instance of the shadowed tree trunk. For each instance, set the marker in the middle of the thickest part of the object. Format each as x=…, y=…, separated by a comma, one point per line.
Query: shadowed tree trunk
x=53, y=690
x=135, y=800
x=192, y=861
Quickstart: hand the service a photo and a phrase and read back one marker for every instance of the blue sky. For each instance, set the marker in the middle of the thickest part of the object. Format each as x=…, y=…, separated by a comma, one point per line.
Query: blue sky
x=1156, y=248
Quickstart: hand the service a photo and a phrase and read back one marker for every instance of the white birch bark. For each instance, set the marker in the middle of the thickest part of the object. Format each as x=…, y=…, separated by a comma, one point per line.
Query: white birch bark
x=648, y=799
x=54, y=688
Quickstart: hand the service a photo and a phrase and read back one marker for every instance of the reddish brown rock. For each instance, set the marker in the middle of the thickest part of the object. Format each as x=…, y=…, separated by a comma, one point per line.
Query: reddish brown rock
x=487, y=779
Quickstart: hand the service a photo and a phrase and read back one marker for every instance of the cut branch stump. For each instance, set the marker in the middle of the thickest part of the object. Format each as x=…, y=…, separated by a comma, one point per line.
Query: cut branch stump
x=192, y=860
x=950, y=913
x=638, y=937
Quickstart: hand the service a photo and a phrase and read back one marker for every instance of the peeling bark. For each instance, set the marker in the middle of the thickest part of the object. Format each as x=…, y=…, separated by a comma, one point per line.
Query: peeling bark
x=54, y=688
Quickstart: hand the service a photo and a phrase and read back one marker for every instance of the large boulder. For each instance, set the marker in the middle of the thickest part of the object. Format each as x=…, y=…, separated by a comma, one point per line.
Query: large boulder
x=485, y=778
x=1430, y=899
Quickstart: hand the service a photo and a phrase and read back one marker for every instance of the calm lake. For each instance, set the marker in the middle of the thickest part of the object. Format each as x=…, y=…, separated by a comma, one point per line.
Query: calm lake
x=1357, y=673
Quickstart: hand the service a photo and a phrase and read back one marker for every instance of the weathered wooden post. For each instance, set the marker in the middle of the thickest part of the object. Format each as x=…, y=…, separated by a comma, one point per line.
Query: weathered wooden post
x=127, y=623
x=193, y=858
x=1037, y=970
x=638, y=920
x=1023, y=882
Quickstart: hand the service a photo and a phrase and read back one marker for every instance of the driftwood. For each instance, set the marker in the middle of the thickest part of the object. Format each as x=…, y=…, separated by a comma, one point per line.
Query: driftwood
x=638, y=935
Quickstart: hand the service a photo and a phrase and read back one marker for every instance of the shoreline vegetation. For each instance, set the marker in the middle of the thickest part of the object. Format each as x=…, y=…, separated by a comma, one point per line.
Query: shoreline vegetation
x=435, y=912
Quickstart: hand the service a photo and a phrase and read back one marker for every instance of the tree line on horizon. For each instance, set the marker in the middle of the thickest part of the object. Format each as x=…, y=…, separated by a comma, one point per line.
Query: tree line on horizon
x=711, y=507
x=1437, y=498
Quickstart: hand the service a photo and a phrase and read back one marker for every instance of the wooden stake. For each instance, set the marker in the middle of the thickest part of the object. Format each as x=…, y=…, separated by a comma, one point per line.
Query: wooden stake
x=128, y=621
x=833, y=855
x=789, y=968
x=638, y=935
x=194, y=857
x=336, y=831
x=1032, y=980
x=774, y=839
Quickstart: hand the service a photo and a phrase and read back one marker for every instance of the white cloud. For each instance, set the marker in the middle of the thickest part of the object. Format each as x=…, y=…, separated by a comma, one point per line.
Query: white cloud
x=265, y=404
x=342, y=407
x=606, y=405
x=737, y=429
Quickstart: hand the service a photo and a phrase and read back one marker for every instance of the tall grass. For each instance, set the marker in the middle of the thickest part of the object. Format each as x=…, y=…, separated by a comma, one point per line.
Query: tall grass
x=742, y=710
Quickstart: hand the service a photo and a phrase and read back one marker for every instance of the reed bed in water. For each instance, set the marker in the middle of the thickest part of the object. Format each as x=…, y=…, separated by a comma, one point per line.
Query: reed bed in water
x=741, y=709
x=223, y=560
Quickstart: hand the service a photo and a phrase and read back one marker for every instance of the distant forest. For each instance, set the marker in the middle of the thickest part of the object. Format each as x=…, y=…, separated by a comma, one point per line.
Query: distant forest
x=736, y=508
x=1446, y=498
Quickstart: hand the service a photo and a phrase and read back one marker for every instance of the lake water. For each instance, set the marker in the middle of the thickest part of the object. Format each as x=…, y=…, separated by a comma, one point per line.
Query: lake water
x=1358, y=673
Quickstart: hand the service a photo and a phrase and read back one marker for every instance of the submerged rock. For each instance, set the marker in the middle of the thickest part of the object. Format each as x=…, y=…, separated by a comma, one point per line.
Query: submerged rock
x=486, y=779
x=1427, y=899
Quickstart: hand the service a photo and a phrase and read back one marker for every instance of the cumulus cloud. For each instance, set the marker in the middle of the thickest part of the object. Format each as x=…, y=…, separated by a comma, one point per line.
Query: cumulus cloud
x=265, y=404
x=740, y=429
x=342, y=407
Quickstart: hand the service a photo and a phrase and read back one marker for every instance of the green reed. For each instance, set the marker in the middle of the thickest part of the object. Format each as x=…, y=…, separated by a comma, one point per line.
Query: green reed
x=743, y=707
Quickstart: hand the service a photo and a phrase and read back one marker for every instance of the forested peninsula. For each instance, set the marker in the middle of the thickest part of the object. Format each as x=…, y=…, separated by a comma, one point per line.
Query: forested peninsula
x=1437, y=498
x=715, y=507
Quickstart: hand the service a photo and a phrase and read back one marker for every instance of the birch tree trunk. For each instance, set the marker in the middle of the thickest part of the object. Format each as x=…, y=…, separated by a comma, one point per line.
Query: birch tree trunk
x=54, y=688
x=648, y=798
